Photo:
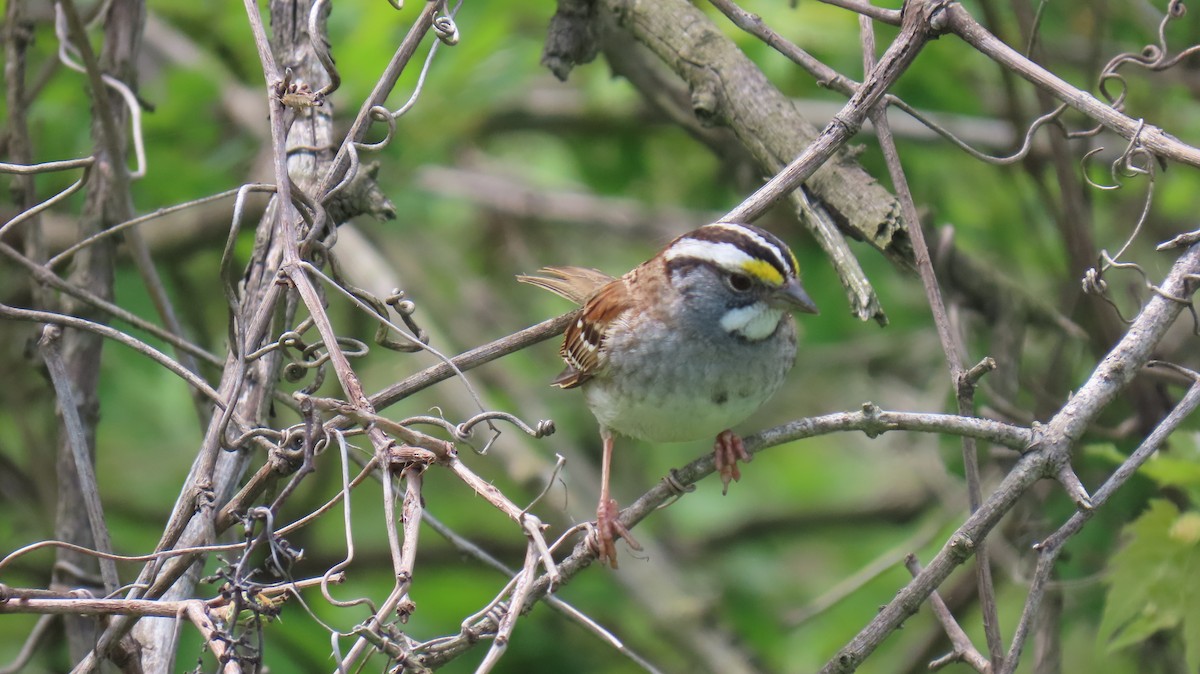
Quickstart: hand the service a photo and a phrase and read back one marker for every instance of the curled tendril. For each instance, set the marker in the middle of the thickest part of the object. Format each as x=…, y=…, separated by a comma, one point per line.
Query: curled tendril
x=313, y=357
x=1090, y=132
x=419, y=338
x=348, y=177
x=274, y=437
x=559, y=462
x=405, y=308
x=1135, y=151
x=439, y=24
x=429, y=349
x=351, y=347
x=283, y=553
x=446, y=30
x=448, y=426
x=1088, y=178
x=283, y=444
x=292, y=339
x=464, y=430
x=1135, y=161
x=297, y=369
x=1153, y=57
x=69, y=55
x=678, y=489
x=544, y=427
x=1094, y=284
x=1116, y=101
x=316, y=36
x=1050, y=118
x=379, y=113
x=497, y=612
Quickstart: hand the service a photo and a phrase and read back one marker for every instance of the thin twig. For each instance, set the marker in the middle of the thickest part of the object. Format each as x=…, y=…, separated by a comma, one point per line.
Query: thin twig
x=914, y=33
x=141, y=347
x=76, y=438
x=951, y=347
x=572, y=613
x=886, y=561
x=960, y=22
x=963, y=648
x=40, y=631
x=512, y=611
x=43, y=275
x=891, y=17
x=466, y=361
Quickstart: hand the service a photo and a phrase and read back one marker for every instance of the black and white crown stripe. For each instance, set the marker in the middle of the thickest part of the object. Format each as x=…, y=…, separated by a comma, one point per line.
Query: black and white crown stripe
x=732, y=246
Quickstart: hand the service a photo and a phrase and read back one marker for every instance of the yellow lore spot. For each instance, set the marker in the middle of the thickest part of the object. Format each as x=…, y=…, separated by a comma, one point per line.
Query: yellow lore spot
x=763, y=271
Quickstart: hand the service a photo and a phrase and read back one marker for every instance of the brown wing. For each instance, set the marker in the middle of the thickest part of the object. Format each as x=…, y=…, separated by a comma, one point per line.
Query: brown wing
x=583, y=341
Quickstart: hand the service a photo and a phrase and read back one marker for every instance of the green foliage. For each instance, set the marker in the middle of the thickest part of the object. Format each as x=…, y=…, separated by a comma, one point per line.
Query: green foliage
x=1154, y=581
x=1178, y=468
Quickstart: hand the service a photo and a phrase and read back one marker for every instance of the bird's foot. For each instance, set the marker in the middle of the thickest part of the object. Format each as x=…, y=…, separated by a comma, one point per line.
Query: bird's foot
x=608, y=529
x=727, y=451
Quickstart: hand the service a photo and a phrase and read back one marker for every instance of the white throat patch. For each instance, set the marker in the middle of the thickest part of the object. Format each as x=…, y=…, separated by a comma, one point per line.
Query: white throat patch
x=754, y=322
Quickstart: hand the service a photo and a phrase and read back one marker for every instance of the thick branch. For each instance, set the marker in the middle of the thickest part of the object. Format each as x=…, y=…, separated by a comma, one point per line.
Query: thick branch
x=729, y=89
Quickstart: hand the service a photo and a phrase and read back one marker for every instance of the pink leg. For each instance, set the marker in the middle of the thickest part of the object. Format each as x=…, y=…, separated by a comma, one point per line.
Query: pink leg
x=727, y=451
x=608, y=527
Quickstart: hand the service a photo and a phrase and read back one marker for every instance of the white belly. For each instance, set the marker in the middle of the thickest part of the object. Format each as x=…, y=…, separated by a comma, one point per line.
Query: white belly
x=673, y=390
x=689, y=414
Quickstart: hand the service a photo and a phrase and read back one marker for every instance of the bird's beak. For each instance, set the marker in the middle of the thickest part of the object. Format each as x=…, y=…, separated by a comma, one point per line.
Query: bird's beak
x=793, y=296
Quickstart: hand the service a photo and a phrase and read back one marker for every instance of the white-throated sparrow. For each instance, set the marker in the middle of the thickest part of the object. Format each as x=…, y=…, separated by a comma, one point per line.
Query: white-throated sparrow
x=682, y=347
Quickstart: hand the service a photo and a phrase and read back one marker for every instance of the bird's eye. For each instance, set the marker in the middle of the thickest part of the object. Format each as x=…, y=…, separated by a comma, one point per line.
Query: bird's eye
x=739, y=282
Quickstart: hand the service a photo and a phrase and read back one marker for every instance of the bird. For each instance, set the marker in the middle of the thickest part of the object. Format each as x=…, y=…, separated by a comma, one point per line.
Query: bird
x=682, y=347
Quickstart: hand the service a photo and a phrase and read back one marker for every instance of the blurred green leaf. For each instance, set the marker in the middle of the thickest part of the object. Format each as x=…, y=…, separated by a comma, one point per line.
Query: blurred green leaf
x=1154, y=581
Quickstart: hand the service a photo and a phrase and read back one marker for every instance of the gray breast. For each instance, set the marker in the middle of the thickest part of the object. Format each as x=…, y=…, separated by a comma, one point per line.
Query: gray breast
x=670, y=388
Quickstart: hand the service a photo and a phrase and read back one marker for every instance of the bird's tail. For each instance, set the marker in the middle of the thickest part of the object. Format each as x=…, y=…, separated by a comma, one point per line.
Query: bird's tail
x=576, y=284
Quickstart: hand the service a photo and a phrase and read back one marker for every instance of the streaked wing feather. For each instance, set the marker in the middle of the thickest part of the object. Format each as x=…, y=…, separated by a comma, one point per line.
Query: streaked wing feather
x=569, y=378
x=583, y=341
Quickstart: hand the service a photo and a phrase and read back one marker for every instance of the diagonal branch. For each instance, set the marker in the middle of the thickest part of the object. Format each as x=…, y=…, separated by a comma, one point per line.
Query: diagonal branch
x=1050, y=453
x=960, y=22
x=729, y=89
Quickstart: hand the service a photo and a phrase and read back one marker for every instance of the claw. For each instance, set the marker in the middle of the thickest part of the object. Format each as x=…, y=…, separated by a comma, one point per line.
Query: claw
x=608, y=529
x=727, y=451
